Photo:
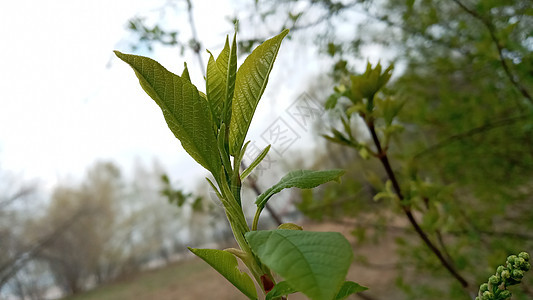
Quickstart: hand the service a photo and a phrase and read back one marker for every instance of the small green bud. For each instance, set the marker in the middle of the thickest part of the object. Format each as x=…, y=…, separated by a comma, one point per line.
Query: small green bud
x=517, y=274
x=500, y=269
x=520, y=263
x=487, y=295
x=524, y=255
x=494, y=280
x=505, y=274
x=484, y=287
x=505, y=294
x=527, y=266
x=511, y=259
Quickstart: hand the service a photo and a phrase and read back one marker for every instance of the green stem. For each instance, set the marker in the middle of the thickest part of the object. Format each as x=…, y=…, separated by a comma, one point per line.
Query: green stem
x=235, y=217
x=256, y=219
x=239, y=227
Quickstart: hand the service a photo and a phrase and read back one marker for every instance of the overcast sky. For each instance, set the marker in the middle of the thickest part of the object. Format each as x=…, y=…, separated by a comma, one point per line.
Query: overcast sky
x=67, y=102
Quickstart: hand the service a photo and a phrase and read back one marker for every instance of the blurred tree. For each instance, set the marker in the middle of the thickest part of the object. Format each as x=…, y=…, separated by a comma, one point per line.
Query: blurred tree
x=77, y=255
x=204, y=222
x=157, y=232
x=94, y=231
x=16, y=200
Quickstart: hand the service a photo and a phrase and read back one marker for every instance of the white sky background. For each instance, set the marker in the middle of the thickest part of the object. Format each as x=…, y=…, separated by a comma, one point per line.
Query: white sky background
x=61, y=108
x=66, y=101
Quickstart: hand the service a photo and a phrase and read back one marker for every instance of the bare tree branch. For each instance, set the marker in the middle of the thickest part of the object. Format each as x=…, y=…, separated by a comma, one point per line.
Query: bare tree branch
x=492, y=31
x=11, y=267
x=472, y=132
x=24, y=191
x=196, y=41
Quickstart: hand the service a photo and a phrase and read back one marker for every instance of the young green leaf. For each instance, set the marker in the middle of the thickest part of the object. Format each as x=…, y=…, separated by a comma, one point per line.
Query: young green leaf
x=280, y=289
x=220, y=80
x=255, y=163
x=226, y=264
x=252, y=78
x=184, y=109
x=348, y=288
x=230, y=81
x=303, y=179
x=222, y=149
x=314, y=263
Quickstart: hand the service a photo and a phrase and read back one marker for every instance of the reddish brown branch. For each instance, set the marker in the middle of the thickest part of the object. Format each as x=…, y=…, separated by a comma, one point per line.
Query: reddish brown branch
x=407, y=208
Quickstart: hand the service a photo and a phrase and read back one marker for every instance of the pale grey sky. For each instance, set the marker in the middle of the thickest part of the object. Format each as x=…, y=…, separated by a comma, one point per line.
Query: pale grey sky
x=61, y=108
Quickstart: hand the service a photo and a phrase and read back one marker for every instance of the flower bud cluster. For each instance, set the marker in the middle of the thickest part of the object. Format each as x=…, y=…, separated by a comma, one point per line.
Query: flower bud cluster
x=369, y=83
x=511, y=274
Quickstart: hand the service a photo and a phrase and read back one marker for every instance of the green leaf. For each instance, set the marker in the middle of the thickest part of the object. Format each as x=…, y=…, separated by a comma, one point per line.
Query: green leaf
x=251, y=81
x=185, y=74
x=185, y=111
x=220, y=81
x=332, y=101
x=315, y=263
x=230, y=81
x=280, y=289
x=226, y=264
x=390, y=108
x=255, y=163
x=348, y=288
x=303, y=179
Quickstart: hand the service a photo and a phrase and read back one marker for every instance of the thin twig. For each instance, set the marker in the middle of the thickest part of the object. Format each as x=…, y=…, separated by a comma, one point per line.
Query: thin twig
x=407, y=230
x=197, y=45
x=490, y=27
x=471, y=132
x=24, y=191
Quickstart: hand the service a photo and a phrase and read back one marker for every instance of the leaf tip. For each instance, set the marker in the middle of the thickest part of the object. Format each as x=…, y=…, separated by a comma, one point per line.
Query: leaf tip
x=118, y=54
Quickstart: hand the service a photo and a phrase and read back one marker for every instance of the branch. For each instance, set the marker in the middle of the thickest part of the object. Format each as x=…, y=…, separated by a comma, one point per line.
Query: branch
x=24, y=191
x=471, y=132
x=11, y=267
x=406, y=230
x=196, y=46
x=490, y=27
x=406, y=208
